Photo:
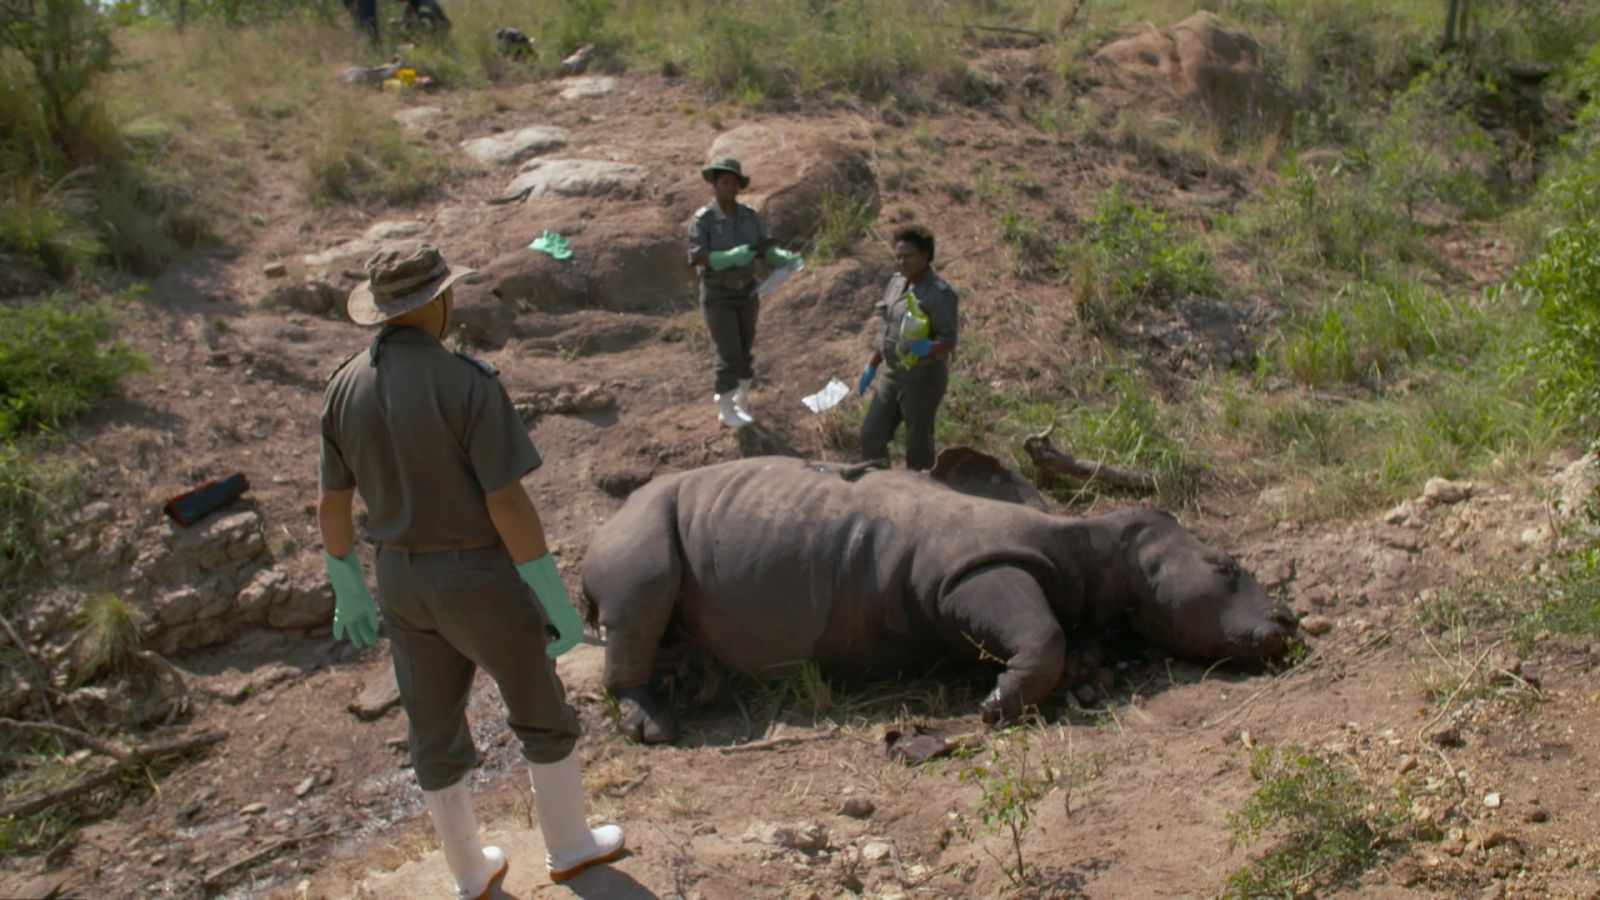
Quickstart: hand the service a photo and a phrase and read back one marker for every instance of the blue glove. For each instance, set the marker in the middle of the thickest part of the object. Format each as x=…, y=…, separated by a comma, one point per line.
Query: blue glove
x=741, y=255
x=779, y=257
x=354, y=613
x=922, y=347
x=541, y=575
x=867, y=375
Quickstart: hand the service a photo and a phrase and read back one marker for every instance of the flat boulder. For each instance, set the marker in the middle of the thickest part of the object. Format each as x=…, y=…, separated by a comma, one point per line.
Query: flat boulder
x=588, y=86
x=621, y=264
x=402, y=234
x=515, y=146
x=575, y=178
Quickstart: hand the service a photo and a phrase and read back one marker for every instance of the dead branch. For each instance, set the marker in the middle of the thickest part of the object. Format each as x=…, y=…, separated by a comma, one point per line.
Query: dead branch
x=1050, y=463
x=218, y=874
x=139, y=755
x=784, y=741
x=81, y=738
x=998, y=29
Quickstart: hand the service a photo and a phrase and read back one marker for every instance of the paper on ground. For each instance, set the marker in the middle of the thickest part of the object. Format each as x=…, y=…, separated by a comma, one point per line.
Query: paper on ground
x=778, y=277
x=828, y=397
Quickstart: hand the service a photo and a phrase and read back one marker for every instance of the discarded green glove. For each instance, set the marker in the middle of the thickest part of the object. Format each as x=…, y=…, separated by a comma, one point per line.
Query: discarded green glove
x=354, y=613
x=541, y=575
x=779, y=257
x=741, y=255
x=552, y=243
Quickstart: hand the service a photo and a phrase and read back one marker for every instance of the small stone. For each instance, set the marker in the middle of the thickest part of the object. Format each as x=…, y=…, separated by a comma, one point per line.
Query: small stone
x=274, y=270
x=304, y=787
x=1316, y=625
x=1247, y=740
x=1446, y=736
x=377, y=698
x=1492, y=800
x=857, y=807
x=1443, y=490
x=875, y=851
x=1536, y=815
x=1406, y=764
x=254, y=809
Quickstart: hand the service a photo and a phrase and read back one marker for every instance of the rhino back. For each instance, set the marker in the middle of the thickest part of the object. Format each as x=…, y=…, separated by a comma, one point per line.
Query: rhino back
x=783, y=562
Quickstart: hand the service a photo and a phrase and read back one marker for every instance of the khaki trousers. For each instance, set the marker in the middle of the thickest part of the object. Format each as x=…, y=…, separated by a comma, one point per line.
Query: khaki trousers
x=449, y=613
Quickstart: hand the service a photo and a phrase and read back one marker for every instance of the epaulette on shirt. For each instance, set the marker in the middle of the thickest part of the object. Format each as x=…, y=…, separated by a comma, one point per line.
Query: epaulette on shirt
x=484, y=366
x=340, y=367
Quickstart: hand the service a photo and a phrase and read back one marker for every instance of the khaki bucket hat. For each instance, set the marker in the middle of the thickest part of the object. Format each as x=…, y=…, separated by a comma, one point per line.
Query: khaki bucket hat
x=725, y=164
x=396, y=285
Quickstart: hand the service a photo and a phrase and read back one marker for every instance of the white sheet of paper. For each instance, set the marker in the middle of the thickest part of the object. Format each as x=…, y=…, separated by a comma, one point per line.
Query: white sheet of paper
x=828, y=397
x=777, y=277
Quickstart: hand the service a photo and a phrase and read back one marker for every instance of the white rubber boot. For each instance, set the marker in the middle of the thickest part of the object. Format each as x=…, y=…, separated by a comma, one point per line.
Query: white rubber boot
x=727, y=413
x=741, y=399
x=477, y=869
x=571, y=844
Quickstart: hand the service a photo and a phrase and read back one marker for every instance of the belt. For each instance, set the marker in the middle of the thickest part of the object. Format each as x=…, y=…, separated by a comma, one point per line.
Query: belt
x=414, y=549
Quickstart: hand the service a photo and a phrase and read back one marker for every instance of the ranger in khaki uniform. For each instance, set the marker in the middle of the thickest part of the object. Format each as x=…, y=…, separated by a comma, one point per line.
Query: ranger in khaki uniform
x=725, y=237
x=917, y=318
x=431, y=441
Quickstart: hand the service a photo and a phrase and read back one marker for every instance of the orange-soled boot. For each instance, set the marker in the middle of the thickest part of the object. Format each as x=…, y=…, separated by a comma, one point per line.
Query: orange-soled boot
x=571, y=845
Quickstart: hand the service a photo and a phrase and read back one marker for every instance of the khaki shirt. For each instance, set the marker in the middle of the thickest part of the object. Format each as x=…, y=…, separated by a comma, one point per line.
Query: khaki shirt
x=424, y=434
x=712, y=229
x=939, y=303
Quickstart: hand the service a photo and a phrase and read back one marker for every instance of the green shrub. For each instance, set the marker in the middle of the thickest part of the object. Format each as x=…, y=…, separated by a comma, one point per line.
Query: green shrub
x=363, y=158
x=108, y=635
x=1134, y=254
x=844, y=221
x=1325, y=825
x=1563, y=286
x=1374, y=331
x=56, y=361
x=33, y=493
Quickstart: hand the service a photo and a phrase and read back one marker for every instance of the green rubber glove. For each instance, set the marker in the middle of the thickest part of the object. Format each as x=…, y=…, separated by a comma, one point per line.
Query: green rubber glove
x=541, y=575
x=354, y=613
x=741, y=255
x=778, y=257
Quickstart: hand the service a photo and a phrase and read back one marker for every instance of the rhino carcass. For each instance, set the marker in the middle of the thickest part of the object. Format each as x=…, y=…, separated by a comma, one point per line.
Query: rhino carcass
x=766, y=561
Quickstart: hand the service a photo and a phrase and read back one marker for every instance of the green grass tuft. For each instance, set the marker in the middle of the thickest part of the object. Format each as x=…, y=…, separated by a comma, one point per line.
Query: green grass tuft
x=1325, y=825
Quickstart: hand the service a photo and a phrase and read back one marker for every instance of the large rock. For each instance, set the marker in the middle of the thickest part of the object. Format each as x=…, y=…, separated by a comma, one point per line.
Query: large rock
x=515, y=146
x=626, y=264
x=576, y=178
x=1202, y=63
x=792, y=171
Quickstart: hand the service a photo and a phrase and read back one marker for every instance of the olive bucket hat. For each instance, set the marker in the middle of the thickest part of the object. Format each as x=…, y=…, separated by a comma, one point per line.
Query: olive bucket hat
x=725, y=164
x=396, y=285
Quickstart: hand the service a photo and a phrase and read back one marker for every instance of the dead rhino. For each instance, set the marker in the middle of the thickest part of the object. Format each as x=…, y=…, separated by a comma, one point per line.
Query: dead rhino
x=766, y=561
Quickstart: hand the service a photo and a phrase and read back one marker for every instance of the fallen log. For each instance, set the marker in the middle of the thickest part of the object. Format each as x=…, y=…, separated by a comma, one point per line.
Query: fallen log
x=135, y=756
x=1050, y=463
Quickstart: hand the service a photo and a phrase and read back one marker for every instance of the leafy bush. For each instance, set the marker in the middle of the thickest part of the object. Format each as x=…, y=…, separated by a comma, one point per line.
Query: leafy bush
x=1371, y=331
x=56, y=362
x=1134, y=254
x=1325, y=824
x=1009, y=789
x=1563, y=286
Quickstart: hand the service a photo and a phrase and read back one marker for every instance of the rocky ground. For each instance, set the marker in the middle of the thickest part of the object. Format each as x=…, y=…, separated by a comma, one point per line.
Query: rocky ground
x=309, y=795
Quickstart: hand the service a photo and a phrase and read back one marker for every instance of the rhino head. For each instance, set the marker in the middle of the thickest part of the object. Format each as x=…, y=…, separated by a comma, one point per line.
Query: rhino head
x=1199, y=602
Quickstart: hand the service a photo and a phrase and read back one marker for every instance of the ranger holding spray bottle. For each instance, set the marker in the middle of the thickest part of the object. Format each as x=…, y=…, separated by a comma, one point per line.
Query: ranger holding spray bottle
x=918, y=322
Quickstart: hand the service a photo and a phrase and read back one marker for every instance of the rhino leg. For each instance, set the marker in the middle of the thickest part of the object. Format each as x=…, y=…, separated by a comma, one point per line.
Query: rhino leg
x=632, y=574
x=1002, y=609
